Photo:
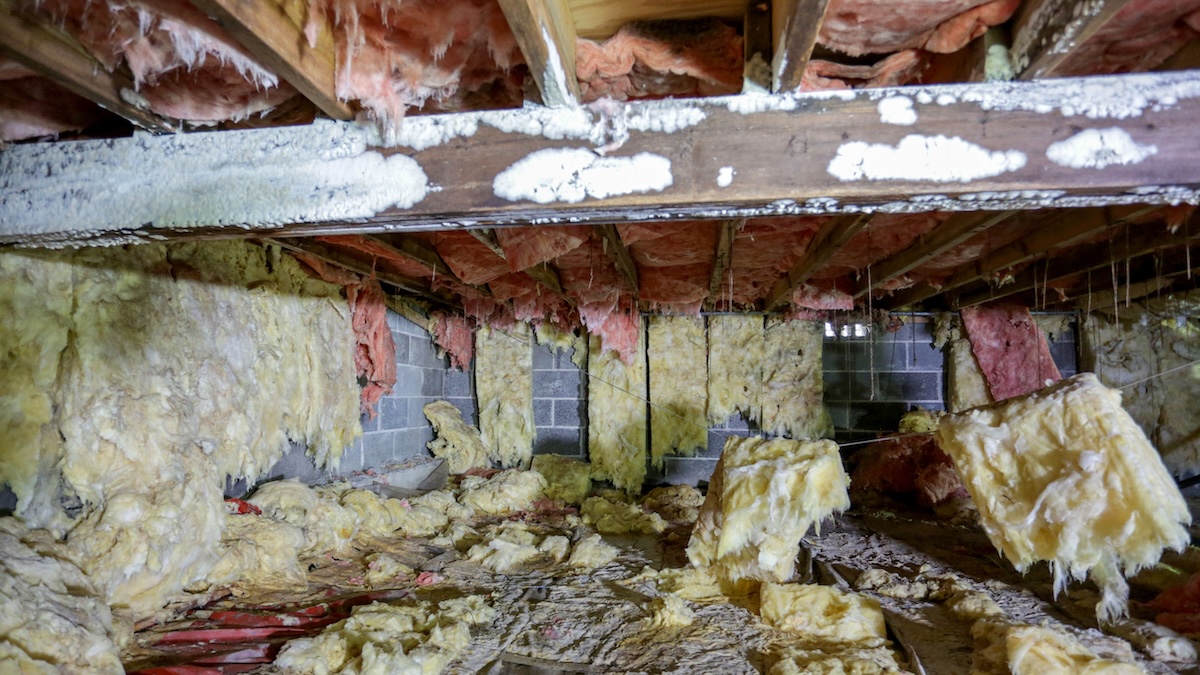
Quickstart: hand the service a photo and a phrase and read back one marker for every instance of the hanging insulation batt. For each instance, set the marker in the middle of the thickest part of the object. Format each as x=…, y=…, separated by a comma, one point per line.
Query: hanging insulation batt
x=617, y=415
x=763, y=496
x=504, y=389
x=1065, y=475
x=965, y=386
x=678, y=392
x=736, y=351
x=793, y=388
x=182, y=365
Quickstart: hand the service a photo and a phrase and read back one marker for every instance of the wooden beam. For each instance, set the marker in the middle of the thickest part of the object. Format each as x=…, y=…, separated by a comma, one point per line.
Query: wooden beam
x=1080, y=260
x=721, y=260
x=51, y=53
x=615, y=248
x=1128, y=290
x=1047, y=32
x=1065, y=230
x=795, y=25
x=954, y=231
x=348, y=262
x=545, y=32
x=278, y=42
x=830, y=239
x=972, y=147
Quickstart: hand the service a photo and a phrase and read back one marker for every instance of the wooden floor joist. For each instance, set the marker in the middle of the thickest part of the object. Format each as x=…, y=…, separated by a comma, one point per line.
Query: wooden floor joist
x=722, y=274
x=546, y=34
x=544, y=274
x=616, y=249
x=824, y=245
x=1047, y=32
x=795, y=25
x=971, y=147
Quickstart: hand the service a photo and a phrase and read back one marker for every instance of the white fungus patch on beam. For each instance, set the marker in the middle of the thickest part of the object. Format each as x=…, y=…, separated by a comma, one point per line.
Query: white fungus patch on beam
x=267, y=178
x=934, y=158
x=573, y=174
x=1099, y=148
x=897, y=110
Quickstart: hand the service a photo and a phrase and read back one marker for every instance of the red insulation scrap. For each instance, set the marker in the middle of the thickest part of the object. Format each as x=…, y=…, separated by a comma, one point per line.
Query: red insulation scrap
x=602, y=296
x=656, y=59
x=1011, y=350
x=858, y=27
x=185, y=66
x=439, y=55
x=525, y=247
x=1142, y=35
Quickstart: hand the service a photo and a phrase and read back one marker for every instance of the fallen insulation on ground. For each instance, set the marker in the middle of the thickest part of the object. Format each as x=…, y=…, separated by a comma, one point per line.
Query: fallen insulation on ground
x=537, y=587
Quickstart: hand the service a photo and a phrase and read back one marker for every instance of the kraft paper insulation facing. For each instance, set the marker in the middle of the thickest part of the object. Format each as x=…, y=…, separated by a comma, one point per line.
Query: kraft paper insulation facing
x=1128, y=352
x=762, y=498
x=617, y=415
x=965, y=386
x=1010, y=348
x=1066, y=476
x=454, y=440
x=504, y=389
x=155, y=372
x=736, y=352
x=678, y=387
x=792, y=384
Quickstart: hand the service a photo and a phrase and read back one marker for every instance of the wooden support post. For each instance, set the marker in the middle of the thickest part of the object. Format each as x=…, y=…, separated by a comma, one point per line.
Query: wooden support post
x=954, y=231
x=277, y=41
x=832, y=236
x=546, y=33
x=49, y=52
x=795, y=25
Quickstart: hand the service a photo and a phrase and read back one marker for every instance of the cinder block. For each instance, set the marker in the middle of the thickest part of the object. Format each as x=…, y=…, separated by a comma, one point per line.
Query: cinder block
x=716, y=443
x=683, y=470
x=543, y=412
x=891, y=386
x=411, y=444
x=556, y=384
x=567, y=413
x=433, y=383
x=295, y=463
x=393, y=414
x=409, y=380
x=458, y=384
x=837, y=385
x=559, y=441
x=466, y=406
x=424, y=354
x=233, y=489
x=875, y=416
x=402, y=350
x=926, y=357
x=563, y=359
x=840, y=412
x=352, y=458
x=395, y=321
x=369, y=424
x=543, y=358
x=378, y=448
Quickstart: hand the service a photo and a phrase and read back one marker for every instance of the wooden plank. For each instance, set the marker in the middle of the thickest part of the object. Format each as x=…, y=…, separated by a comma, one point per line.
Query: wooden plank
x=278, y=42
x=830, y=239
x=51, y=53
x=795, y=25
x=615, y=248
x=722, y=258
x=1047, y=32
x=972, y=147
x=1080, y=260
x=954, y=231
x=545, y=32
x=1064, y=231
x=348, y=262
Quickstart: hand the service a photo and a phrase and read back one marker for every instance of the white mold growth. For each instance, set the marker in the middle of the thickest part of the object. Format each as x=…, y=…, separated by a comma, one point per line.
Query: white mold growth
x=932, y=158
x=251, y=179
x=421, y=133
x=552, y=123
x=725, y=176
x=572, y=174
x=1099, y=148
x=897, y=110
x=554, y=78
x=668, y=120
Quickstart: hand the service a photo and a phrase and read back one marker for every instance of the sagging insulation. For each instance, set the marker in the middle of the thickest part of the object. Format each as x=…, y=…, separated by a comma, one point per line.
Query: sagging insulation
x=617, y=415
x=736, y=352
x=1065, y=475
x=504, y=389
x=965, y=386
x=155, y=371
x=1129, y=352
x=454, y=440
x=793, y=388
x=678, y=391
x=762, y=498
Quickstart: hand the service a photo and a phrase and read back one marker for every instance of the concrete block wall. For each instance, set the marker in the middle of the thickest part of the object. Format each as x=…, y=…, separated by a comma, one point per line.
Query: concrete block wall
x=559, y=403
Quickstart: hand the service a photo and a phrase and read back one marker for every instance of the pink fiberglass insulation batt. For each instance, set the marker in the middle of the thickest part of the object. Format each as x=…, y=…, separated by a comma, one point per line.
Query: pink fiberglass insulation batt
x=657, y=59
x=857, y=27
x=32, y=106
x=454, y=336
x=525, y=247
x=884, y=235
x=440, y=55
x=674, y=262
x=1140, y=37
x=185, y=66
x=1012, y=352
x=602, y=295
x=891, y=71
x=763, y=250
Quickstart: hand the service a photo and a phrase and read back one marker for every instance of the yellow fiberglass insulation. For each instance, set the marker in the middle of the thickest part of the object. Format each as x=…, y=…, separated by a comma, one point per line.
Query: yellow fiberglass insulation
x=328, y=526
x=736, y=352
x=258, y=552
x=504, y=390
x=182, y=364
x=567, y=478
x=454, y=440
x=617, y=416
x=964, y=378
x=762, y=498
x=51, y=618
x=1006, y=646
x=558, y=340
x=678, y=387
x=793, y=388
x=823, y=612
x=1065, y=475
x=382, y=638
x=505, y=492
